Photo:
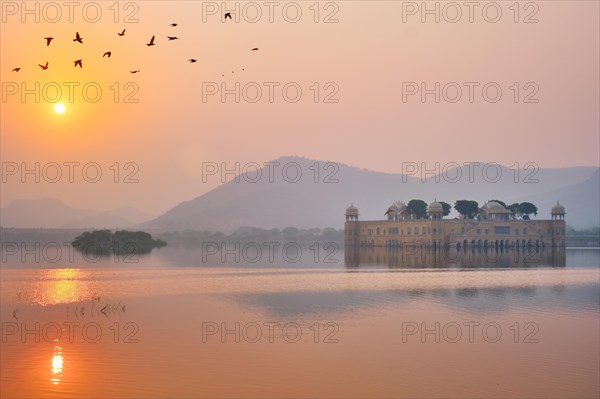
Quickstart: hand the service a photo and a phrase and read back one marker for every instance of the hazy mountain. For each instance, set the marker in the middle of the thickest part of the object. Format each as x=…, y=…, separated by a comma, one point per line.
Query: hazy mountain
x=52, y=213
x=581, y=200
x=307, y=203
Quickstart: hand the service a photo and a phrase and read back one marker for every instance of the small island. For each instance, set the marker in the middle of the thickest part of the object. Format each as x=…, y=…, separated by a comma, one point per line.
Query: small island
x=104, y=242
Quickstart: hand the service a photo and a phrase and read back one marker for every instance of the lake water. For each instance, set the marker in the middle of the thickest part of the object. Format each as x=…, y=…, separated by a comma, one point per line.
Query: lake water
x=301, y=322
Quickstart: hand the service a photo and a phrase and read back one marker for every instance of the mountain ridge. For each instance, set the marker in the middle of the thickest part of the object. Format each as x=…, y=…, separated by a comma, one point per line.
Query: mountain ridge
x=317, y=201
x=54, y=213
x=307, y=204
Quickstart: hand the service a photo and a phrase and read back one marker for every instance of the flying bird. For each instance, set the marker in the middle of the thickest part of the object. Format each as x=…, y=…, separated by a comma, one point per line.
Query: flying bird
x=173, y=24
x=135, y=71
x=48, y=40
x=172, y=37
x=15, y=313
x=78, y=62
x=122, y=33
x=151, y=42
x=228, y=15
x=44, y=67
x=18, y=69
x=254, y=49
x=108, y=53
x=192, y=60
x=78, y=38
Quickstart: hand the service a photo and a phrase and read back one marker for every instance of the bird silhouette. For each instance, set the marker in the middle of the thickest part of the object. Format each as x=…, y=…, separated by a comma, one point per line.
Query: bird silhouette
x=18, y=69
x=173, y=24
x=48, y=40
x=44, y=67
x=172, y=37
x=192, y=60
x=108, y=53
x=78, y=62
x=78, y=38
x=122, y=33
x=228, y=15
x=15, y=312
x=151, y=42
x=254, y=49
x=135, y=71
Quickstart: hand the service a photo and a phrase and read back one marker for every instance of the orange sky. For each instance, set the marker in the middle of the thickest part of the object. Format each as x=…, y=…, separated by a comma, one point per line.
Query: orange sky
x=367, y=54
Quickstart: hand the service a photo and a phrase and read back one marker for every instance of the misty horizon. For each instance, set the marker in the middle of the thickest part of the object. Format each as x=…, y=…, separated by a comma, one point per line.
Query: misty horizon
x=313, y=199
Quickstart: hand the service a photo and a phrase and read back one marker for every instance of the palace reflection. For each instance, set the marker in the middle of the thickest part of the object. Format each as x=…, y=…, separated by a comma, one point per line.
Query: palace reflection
x=444, y=258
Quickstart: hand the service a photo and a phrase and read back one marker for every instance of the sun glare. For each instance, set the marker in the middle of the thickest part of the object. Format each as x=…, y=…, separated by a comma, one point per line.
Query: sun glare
x=59, y=108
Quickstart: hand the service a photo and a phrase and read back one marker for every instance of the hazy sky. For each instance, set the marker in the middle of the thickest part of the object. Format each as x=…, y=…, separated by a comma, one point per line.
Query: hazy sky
x=366, y=61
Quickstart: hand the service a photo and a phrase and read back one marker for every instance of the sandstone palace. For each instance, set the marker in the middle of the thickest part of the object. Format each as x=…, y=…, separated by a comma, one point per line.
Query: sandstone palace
x=493, y=227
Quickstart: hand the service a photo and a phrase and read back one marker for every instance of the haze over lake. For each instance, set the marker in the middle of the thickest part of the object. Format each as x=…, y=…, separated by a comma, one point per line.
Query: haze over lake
x=364, y=322
x=300, y=199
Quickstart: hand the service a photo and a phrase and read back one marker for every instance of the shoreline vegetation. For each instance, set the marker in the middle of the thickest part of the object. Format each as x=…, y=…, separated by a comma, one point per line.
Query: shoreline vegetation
x=121, y=242
x=583, y=238
x=192, y=238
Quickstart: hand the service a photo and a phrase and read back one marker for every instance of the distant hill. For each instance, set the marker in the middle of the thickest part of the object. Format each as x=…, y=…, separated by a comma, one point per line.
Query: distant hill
x=52, y=213
x=307, y=204
x=581, y=200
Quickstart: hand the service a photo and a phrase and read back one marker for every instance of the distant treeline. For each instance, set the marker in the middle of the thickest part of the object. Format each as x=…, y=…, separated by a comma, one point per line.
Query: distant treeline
x=243, y=234
x=41, y=236
x=255, y=234
x=594, y=232
x=583, y=238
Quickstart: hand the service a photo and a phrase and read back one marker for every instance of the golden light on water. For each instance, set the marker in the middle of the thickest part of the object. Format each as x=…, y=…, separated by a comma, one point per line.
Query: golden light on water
x=57, y=365
x=61, y=286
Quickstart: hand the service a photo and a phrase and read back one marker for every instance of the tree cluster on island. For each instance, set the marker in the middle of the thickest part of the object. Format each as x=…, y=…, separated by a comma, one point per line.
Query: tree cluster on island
x=104, y=242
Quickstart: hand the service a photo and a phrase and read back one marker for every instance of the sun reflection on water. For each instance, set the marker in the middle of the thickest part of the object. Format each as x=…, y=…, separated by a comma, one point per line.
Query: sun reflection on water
x=62, y=286
x=57, y=365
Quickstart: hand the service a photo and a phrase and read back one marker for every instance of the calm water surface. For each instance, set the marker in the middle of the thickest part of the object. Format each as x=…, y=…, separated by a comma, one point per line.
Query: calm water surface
x=325, y=323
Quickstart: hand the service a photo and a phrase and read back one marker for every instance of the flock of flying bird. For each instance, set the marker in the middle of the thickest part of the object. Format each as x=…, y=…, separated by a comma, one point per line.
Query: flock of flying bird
x=79, y=39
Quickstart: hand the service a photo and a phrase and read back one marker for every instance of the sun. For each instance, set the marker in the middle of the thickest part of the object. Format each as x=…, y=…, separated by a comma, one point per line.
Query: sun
x=59, y=108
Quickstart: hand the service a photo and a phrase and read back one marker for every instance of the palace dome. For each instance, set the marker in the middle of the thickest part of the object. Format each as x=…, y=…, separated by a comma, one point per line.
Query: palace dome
x=397, y=207
x=435, y=207
x=494, y=207
x=557, y=209
x=392, y=209
x=352, y=210
x=401, y=206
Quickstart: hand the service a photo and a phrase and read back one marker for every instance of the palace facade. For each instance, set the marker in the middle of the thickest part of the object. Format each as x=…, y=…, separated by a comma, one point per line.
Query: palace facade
x=494, y=228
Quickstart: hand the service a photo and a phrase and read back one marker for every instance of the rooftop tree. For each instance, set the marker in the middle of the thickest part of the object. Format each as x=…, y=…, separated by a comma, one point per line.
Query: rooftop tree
x=418, y=208
x=526, y=209
x=514, y=210
x=446, y=206
x=467, y=208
